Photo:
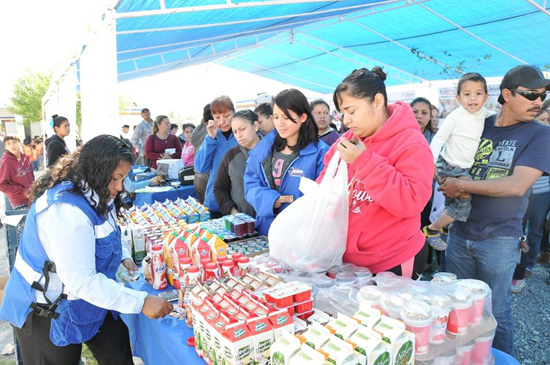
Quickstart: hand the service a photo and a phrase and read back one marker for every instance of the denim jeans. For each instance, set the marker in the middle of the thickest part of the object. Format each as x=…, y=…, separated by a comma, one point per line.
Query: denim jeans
x=493, y=261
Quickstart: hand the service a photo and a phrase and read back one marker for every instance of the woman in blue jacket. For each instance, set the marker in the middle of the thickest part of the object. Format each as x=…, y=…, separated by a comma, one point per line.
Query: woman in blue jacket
x=282, y=157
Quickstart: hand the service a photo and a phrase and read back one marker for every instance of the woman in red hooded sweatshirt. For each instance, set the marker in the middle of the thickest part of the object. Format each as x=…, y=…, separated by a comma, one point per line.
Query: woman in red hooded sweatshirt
x=15, y=173
x=390, y=168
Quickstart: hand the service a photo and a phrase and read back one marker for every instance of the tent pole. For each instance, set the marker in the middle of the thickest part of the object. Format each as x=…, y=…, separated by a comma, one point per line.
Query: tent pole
x=541, y=8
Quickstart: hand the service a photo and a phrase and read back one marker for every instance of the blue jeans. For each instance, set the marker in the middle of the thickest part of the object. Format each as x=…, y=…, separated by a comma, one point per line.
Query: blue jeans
x=539, y=205
x=493, y=261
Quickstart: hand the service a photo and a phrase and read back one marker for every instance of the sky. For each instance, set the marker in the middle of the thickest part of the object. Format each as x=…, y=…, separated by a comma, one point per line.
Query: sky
x=41, y=34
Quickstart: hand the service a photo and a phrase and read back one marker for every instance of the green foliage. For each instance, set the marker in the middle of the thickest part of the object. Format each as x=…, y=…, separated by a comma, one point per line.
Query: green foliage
x=27, y=96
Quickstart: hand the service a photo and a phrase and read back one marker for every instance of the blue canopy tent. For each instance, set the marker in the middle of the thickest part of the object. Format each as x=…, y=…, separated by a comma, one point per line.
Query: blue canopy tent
x=315, y=44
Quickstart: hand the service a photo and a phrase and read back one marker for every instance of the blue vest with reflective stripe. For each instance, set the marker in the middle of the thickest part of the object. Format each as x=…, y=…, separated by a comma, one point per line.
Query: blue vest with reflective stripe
x=78, y=320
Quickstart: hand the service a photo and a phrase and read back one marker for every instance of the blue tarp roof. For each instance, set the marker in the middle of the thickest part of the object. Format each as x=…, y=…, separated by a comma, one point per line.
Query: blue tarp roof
x=315, y=44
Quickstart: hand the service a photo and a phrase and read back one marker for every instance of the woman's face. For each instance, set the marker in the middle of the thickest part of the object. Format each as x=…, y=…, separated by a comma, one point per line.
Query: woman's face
x=287, y=128
x=245, y=132
x=435, y=120
x=120, y=173
x=223, y=120
x=422, y=114
x=187, y=133
x=266, y=123
x=322, y=116
x=359, y=115
x=164, y=126
x=63, y=130
x=544, y=117
x=13, y=146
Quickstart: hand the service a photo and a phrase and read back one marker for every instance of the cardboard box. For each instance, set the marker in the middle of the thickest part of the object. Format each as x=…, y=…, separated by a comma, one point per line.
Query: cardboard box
x=370, y=346
x=237, y=344
x=284, y=348
x=402, y=341
x=262, y=339
x=174, y=167
x=340, y=352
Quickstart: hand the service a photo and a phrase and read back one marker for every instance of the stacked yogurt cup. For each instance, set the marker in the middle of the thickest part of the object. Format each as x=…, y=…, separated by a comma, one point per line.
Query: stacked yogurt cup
x=451, y=319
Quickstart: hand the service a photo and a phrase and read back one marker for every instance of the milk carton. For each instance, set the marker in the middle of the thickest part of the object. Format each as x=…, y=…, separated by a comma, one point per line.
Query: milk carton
x=316, y=336
x=262, y=339
x=210, y=334
x=340, y=352
x=367, y=316
x=126, y=239
x=307, y=356
x=371, y=348
x=138, y=236
x=237, y=344
x=284, y=348
x=281, y=322
x=342, y=327
x=402, y=341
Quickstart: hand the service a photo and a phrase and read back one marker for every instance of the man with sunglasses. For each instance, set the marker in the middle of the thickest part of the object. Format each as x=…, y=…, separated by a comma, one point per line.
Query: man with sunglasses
x=513, y=153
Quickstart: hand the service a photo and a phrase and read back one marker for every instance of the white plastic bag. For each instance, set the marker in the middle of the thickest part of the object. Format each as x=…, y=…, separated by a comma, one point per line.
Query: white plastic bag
x=311, y=234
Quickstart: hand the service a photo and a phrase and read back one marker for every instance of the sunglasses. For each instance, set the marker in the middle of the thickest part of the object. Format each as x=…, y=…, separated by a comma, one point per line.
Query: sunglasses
x=530, y=94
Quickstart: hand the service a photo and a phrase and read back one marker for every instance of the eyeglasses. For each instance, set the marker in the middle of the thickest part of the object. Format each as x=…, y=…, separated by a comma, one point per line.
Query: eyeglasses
x=530, y=94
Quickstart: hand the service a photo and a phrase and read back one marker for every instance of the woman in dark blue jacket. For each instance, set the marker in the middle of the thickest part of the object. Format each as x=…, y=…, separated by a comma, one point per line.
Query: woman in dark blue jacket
x=282, y=157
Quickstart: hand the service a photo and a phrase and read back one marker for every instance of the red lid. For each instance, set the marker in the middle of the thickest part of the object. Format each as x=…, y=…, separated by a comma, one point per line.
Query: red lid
x=205, y=261
x=185, y=261
x=191, y=341
x=244, y=260
x=211, y=266
x=236, y=255
x=156, y=248
x=227, y=263
x=221, y=258
x=193, y=269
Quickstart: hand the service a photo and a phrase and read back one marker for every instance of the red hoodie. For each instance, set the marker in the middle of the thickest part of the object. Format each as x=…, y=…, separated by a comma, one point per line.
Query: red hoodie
x=393, y=184
x=16, y=177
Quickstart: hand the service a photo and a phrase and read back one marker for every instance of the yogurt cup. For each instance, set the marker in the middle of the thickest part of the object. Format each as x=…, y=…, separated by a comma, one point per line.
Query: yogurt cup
x=345, y=278
x=459, y=317
x=444, y=278
x=481, y=353
x=441, y=307
x=370, y=296
x=418, y=318
x=393, y=302
x=465, y=353
x=445, y=359
x=480, y=293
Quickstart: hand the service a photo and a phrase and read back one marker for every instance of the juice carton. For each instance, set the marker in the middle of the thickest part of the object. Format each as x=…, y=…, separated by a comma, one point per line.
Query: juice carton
x=367, y=316
x=307, y=356
x=190, y=242
x=281, y=322
x=140, y=250
x=201, y=250
x=126, y=239
x=284, y=348
x=262, y=339
x=236, y=344
x=217, y=247
x=370, y=346
x=341, y=328
x=178, y=250
x=168, y=259
x=402, y=341
x=221, y=322
x=316, y=336
x=209, y=334
x=339, y=352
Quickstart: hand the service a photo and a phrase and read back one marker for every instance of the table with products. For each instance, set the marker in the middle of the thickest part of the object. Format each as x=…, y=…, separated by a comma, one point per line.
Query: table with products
x=160, y=193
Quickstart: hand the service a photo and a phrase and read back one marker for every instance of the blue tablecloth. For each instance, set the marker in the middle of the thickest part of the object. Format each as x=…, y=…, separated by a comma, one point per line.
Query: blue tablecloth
x=159, y=341
x=182, y=192
x=164, y=341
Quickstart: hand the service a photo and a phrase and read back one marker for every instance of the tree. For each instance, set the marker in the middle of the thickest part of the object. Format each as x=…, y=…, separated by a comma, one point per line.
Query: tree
x=27, y=96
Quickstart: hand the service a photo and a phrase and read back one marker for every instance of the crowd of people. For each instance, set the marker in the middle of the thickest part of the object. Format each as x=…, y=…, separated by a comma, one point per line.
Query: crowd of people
x=492, y=169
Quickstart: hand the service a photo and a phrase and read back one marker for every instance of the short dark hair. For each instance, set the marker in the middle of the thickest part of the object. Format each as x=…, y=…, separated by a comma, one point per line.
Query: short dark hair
x=174, y=125
x=319, y=101
x=187, y=125
x=362, y=84
x=207, y=114
x=293, y=99
x=471, y=76
x=11, y=138
x=125, y=126
x=264, y=109
x=247, y=115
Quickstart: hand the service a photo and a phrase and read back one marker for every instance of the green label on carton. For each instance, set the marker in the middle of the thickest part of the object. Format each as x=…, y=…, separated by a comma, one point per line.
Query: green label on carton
x=404, y=354
x=383, y=359
x=278, y=359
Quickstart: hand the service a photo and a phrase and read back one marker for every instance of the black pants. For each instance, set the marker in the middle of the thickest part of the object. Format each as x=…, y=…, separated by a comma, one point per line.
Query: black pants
x=419, y=263
x=111, y=345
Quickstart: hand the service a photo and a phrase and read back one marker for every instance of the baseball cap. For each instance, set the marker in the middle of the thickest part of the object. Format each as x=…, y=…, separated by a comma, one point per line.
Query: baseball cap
x=144, y=109
x=525, y=75
x=125, y=126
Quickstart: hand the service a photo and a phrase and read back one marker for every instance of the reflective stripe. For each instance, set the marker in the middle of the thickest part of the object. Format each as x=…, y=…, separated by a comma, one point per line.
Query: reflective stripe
x=25, y=270
x=103, y=230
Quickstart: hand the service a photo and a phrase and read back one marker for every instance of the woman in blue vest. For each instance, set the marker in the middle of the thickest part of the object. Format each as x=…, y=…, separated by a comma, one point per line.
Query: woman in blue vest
x=61, y=291
x=282, y=157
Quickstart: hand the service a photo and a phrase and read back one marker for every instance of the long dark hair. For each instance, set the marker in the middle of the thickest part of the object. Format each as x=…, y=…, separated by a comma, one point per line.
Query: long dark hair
x=292, y=99
x=57, y=121
x=420, y=99
x=89, y=168
x=362, y=84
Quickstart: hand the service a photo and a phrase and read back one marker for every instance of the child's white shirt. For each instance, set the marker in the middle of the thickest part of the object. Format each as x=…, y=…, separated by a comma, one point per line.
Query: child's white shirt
x=458, y=138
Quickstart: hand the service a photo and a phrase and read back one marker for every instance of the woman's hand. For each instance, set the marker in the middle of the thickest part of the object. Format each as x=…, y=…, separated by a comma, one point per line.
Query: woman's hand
x=283, y=199
x=212, y=128
x=165, y=156
x=349, y=151
x=130, y=265
x=156, y=307
x=234, y=211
